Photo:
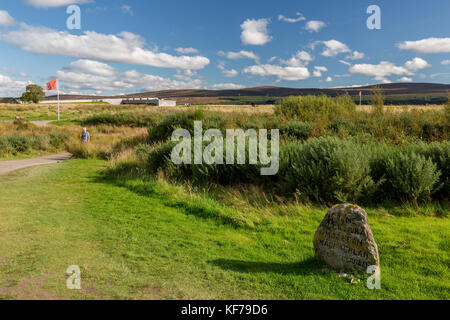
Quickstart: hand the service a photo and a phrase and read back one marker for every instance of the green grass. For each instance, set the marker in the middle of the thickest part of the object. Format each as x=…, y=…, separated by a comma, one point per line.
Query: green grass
x=137, y=240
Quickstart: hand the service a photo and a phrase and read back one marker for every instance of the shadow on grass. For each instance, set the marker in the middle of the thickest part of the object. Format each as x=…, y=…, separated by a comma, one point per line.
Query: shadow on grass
x=308, y=266
x=198, y=207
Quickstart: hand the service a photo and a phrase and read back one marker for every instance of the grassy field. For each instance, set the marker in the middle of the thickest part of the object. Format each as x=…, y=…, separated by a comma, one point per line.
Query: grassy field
x=78, y=111
x=150, y=240
x=140, y=228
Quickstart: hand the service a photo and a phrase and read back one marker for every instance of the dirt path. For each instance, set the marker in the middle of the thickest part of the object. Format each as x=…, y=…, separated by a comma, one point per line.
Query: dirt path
x=13, y=165
x=39, y=123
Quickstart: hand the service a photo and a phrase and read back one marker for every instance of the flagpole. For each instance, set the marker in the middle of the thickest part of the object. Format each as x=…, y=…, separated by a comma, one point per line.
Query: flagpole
x=57, y=84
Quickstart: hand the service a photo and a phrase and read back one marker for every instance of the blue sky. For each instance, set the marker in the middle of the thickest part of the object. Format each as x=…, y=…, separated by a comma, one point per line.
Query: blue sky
x=127, y=46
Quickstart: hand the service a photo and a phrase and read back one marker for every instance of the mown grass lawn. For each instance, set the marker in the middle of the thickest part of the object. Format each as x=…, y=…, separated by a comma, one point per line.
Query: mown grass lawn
x=155, y=244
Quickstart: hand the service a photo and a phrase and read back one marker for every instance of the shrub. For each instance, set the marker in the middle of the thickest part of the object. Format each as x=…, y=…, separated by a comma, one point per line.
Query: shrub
x=439, y=153
x=121, y=119
x=309, y=108
x=326, y=170
x=159, y=157
x=180, y=120
x=411, y=176
x=296, y=129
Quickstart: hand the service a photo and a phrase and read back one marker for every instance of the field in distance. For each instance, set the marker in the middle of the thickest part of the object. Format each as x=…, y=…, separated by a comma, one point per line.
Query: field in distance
x=79, y=111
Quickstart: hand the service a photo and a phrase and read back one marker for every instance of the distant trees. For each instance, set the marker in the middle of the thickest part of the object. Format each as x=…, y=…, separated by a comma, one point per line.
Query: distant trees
x=33, y=93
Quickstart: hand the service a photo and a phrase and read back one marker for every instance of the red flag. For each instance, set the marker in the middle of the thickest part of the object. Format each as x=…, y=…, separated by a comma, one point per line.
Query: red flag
x=52, y=85
x=360, y=93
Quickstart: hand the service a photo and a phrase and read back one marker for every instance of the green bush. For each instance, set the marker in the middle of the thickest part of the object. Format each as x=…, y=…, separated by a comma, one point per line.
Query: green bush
x=15, y=144
x=326, y=170
x=58, y=139
x=296, y=129
x=158, y=157
x=180, y=120
x=439, y=153
x=411, y=176
x=121, y=119
x=309, y=108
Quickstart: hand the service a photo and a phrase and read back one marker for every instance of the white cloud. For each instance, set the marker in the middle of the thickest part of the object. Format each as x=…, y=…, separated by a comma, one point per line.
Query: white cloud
x=329, y=79
x=417, y=64
x=345, y=62
x=239, y=55
x=356, y=55
x=299, y=18
x=6, y=19
x=9, y=87
x=126, y=9
x=91, y=67
x=379, y=71
x=384, y=69
x=254, y=32
x=93, y=76
x=227, y=86
x=318, y=71
x=55, y=3
x=282, y=73
x=299, y=59
x=405, y=79
x=314, y=25
x=187, y=50
x=429, y=45
x=125, y=47
x=445, y=62
x=185, y=75
x=228, y=73
x=13, y=73
x=334, y=47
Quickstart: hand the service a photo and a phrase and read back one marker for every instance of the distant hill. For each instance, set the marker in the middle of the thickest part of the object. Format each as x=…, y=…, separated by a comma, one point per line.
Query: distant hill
x=412, y=93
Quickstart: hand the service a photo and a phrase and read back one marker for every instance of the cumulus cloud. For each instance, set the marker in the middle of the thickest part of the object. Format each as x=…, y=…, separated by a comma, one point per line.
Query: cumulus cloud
x=55, y=3
x=318, y=71
x=94, y=76
x=299, y=18
x=445, y=62
x=13, y=73
x=91, y=67
x=299, y=59
x=417, y=64
x=281, y=72
x=239, y=55
x=228, y=73
x=227, y=86
x=255, y=32
x=125, y=47
x=329, y=79
x=385, y=69
x=189, y=50
x=9, y=87
x=405, y=79
x=314, y=25
x=186, y=75
x=334, y=47
x=356, y=55
x=6, y=19
x=429, y=45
